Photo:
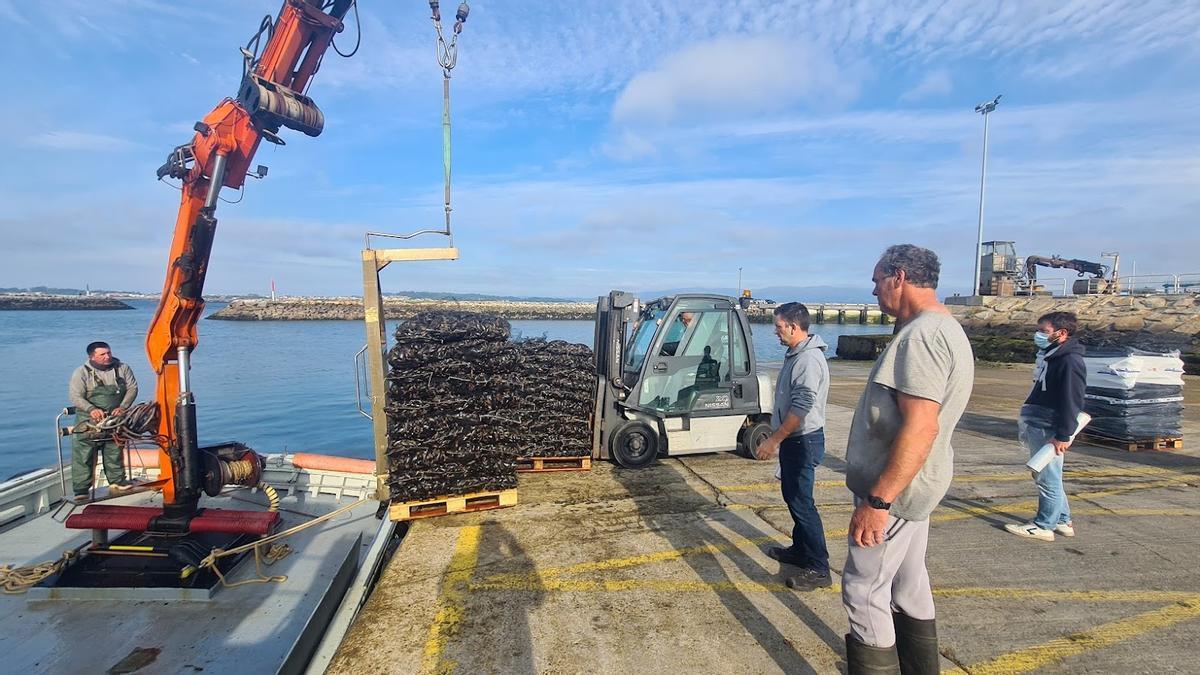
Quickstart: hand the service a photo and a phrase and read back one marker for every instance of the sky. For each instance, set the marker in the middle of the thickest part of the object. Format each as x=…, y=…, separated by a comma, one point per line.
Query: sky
x=602, y=145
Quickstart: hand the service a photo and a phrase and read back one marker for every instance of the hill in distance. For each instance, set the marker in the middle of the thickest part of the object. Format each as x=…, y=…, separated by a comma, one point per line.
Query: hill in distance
x=438, y=295
x=781, y=294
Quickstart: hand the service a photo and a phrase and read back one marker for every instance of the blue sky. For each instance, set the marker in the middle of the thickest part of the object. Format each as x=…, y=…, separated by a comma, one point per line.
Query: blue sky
x=611, y=144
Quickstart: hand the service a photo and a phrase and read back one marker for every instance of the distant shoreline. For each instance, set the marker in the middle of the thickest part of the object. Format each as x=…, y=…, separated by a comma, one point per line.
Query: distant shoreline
x=351, y=309
x=38, y=302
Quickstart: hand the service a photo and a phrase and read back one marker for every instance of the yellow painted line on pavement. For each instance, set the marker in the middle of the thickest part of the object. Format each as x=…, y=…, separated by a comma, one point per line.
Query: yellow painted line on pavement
x=1168, y=513
x=1018, y=474
x=1119, y=595
x=701, y=586
x=732, y=543
x=1014, y=509
x=450, y=604
x=1060, y=649
x=1007, y=509
x=755, y=487
x=622, y=585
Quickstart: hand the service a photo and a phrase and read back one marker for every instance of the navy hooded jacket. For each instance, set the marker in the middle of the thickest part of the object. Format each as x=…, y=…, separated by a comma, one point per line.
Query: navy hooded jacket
x=1060, y=385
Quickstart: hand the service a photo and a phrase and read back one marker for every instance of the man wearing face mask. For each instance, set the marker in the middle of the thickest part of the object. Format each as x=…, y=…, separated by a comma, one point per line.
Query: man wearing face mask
x=102, y=387
x=1049, y=416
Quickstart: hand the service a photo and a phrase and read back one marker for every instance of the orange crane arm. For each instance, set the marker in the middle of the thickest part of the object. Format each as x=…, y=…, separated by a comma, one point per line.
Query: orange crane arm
x=219, y=155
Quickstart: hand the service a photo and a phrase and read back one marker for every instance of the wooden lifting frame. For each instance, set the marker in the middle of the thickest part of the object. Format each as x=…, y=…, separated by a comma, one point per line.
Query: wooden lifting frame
x=375, y=260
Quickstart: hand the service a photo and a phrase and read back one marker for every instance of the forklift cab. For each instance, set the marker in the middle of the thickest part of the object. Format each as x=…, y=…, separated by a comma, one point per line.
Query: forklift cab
x=675, y=376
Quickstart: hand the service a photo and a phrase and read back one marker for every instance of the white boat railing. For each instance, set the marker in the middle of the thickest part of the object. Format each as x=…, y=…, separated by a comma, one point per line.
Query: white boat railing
x=40, y=490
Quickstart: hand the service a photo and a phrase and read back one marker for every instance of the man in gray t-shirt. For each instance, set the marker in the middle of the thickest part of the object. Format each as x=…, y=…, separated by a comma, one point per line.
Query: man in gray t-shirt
x=899, y=466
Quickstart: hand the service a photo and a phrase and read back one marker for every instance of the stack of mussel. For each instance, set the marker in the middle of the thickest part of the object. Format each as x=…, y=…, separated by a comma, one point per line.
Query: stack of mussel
x=464, y=402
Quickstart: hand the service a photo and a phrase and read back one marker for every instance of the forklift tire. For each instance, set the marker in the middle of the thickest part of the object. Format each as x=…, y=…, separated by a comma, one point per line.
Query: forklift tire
x=634, y=445
x=753, y=437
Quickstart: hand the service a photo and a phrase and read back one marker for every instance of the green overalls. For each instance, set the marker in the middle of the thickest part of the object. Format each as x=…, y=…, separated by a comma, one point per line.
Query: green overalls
x=84, y=445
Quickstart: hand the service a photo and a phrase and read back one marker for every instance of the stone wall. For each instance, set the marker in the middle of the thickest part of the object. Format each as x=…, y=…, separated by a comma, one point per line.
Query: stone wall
x=351, y=309
x=36, y=301
x=1144, y=321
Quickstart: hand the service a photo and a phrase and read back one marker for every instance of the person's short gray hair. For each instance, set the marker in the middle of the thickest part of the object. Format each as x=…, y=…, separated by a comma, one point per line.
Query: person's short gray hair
x=920, y=265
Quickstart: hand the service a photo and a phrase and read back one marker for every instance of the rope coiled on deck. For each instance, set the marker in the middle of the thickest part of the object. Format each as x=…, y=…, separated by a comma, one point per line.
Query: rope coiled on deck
x=20, y=579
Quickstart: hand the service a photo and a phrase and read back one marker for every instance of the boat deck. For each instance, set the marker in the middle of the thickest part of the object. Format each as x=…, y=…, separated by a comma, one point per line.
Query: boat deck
x=251, y=628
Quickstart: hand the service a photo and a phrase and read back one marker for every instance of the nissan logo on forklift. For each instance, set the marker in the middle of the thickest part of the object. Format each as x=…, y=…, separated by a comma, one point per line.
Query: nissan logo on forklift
x=676, y=376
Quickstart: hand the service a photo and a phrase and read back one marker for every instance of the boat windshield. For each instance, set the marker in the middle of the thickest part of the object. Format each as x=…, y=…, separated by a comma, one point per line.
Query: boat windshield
x=643, y=335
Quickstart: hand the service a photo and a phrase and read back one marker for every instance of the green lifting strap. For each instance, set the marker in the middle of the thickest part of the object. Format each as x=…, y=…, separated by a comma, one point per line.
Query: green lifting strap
x=447, y=59
x=446, y=142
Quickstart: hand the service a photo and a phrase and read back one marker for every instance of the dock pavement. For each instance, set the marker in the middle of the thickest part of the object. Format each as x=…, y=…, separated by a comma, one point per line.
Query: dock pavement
x=662, y=570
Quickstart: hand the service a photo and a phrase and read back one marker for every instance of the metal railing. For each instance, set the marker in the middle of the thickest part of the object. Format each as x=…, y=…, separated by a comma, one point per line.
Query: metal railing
x=1140, y=284
x=1160, y=284
x=1042, y=286
x=61, y=430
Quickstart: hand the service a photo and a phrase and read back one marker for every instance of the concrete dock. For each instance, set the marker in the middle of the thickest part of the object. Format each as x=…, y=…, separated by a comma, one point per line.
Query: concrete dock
x=661, y=570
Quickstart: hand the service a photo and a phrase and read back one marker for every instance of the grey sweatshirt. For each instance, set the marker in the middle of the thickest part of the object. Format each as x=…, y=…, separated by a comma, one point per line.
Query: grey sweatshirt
x=803, y=386
x=82, y=384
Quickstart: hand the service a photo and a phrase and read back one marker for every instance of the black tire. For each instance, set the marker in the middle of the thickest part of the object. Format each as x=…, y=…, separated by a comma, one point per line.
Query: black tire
x=753, y=437
x=634, y=445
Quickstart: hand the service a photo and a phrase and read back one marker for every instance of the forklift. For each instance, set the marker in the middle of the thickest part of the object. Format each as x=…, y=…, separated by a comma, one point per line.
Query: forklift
x=676, y=376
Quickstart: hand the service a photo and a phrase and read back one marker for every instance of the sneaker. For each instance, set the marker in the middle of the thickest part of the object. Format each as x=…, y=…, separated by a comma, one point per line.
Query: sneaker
x=1030, y=531
x=809, y=580
x=783, y=555
x=1065, y=529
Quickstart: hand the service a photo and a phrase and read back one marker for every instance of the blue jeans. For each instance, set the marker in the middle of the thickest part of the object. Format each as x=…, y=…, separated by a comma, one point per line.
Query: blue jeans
x=798, y=460
x=1052, y=497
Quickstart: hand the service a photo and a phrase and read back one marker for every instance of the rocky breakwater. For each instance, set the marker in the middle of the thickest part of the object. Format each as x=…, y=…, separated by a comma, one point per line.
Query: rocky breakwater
x=351, y=309
x=34, y=301
x=1001, y=328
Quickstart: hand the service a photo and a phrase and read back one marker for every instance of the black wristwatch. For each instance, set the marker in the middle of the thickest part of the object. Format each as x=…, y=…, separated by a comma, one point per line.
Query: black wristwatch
x=878, y=503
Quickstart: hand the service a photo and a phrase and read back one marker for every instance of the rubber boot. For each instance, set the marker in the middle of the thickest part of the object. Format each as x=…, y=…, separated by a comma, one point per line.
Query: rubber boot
x=863, y=659
x=916, y=645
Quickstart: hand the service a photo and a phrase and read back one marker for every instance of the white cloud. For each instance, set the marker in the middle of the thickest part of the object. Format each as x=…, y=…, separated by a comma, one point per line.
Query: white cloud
x=935, y=83
x=732, y=77
x=77, y=140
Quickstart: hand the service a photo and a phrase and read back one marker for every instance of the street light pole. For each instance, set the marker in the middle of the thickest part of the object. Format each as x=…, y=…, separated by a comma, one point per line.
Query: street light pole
x=983, y=109
x=739, y=288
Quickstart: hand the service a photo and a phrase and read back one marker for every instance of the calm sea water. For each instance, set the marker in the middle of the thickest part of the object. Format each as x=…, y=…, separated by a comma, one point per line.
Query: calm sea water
x=274, y=385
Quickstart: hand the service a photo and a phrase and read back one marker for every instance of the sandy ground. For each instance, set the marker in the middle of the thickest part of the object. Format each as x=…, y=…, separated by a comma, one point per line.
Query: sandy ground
x=661, y=570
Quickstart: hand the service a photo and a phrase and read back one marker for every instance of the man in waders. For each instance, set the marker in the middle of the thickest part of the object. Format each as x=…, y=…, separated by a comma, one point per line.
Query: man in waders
x=101, y=387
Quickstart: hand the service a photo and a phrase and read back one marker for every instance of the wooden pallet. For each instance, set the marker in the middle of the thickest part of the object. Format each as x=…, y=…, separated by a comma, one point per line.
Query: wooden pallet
x=478, y=501
x=548, y=464
x=1149, y=444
